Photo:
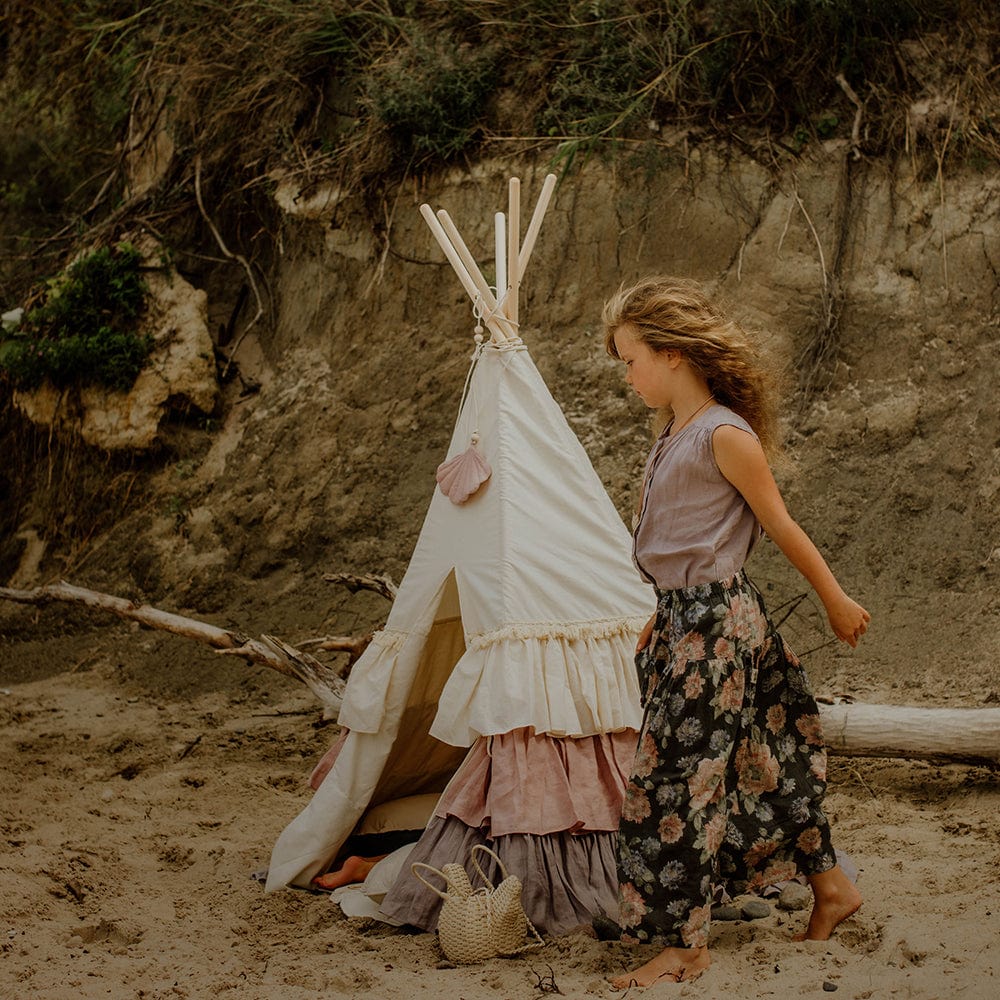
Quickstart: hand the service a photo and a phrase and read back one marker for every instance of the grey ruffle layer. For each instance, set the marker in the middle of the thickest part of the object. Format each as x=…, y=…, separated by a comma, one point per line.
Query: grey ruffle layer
x=567, y=878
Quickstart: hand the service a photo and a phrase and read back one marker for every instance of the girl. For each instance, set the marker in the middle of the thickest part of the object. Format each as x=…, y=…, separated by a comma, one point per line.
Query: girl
x=730, y=771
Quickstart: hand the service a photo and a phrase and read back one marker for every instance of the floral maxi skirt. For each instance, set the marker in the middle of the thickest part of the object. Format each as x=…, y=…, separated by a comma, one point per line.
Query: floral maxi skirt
x=730, y=769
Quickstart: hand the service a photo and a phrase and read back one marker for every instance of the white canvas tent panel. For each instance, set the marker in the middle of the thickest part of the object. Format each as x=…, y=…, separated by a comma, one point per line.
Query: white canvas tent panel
x=518, y=608
x=399, y=759
x=540, y=555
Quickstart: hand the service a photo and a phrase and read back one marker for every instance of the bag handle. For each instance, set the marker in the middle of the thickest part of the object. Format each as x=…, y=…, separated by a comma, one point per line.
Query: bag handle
x=531, y=945
x=433, y=888
x=475, y=863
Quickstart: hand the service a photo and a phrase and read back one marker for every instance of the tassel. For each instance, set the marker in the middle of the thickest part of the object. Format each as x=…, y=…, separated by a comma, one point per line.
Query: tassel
x=460, y=477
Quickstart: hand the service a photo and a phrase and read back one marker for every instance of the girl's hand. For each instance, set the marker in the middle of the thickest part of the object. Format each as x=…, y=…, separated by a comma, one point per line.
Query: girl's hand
x=848, y=620
x=645, y=635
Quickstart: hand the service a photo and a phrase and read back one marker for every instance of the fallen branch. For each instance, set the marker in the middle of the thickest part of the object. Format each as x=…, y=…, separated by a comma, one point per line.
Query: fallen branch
x=950, y=735
x=324, y=682
x=380, y=584
x=352, y=645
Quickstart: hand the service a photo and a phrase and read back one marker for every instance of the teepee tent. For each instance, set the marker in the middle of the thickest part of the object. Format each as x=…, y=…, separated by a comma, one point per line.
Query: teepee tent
x=519, y=607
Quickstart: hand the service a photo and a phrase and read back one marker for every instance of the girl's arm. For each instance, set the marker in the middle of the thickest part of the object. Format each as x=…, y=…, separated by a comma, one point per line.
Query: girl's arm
x=742, y=461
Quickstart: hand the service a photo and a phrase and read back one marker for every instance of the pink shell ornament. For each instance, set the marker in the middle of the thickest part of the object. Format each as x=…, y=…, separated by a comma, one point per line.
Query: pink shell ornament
x=461, y=476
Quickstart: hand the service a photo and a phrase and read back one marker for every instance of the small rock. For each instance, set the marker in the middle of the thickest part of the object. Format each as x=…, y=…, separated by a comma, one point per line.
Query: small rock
x=726, y=912
x=795, y=896
x=829, y=987
x=11, y=319
x=754, y=909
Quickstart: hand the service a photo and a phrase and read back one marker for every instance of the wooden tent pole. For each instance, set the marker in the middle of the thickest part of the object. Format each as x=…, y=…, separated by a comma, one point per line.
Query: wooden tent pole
x=503, y=320
x=500, y=244
x=536, y=222
x=513, y=249
x=467, y=280
x=483, y=288
x=449, y=251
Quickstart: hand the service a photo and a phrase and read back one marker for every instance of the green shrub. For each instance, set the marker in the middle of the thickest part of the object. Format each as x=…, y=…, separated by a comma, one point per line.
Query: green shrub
x=84, y=332
x=431, y=99
x=610, y=63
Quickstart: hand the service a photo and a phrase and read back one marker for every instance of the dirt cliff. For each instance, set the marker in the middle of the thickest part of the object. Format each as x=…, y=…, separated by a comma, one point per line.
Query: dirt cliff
x=874, y=285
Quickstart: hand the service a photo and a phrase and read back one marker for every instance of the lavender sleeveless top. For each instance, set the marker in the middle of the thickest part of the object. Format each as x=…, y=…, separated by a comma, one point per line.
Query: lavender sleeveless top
x=693, y=525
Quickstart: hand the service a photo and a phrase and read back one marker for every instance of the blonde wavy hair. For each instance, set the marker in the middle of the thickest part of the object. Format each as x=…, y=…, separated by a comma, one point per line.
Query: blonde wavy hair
x=675, y=314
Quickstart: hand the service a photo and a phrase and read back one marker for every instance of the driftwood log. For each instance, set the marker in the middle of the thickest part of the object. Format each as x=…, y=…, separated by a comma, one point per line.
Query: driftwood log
x=962, y=735
x=324, y=682
x=950, y=735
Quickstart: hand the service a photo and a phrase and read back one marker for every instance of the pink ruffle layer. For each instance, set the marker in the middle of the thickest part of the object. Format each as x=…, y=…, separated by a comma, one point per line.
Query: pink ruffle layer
x=526, y=783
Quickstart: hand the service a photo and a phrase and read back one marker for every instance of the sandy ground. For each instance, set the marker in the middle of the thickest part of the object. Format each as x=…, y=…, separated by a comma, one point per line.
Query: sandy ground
x=131, y=825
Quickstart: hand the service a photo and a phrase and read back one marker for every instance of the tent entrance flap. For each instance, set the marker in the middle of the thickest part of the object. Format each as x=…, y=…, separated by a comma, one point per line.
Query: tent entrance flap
x=418, y=763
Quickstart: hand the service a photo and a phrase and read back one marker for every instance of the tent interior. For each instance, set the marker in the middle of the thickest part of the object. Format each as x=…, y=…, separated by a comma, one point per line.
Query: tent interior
x=418, y=766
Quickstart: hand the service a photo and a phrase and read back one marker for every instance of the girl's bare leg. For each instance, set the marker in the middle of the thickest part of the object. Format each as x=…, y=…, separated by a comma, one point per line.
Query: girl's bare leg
x=835, y=898
x=354, y=869
x=681, y=965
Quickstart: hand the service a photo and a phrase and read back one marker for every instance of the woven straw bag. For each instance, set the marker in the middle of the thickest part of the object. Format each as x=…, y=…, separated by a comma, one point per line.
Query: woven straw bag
x=475, y=925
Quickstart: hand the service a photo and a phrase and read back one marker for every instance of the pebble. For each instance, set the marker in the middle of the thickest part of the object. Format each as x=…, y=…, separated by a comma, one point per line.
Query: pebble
x=795, y=896
x=726, y=912
x=754, y=909
x=829, y=987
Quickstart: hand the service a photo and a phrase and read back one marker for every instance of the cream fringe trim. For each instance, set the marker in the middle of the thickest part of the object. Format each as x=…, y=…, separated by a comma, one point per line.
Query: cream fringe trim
x=605, y=628
x=393, y=640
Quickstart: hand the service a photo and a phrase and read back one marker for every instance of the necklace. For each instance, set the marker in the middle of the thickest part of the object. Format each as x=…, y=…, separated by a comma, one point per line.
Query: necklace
x=677, y=430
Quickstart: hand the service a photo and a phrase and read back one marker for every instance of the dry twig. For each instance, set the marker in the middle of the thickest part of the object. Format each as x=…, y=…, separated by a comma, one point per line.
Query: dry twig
x=546, y=984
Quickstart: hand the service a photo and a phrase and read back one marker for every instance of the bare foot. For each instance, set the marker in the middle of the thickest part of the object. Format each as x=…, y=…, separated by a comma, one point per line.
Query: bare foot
x=836, y=897
x=679, y=965
x=354, y=869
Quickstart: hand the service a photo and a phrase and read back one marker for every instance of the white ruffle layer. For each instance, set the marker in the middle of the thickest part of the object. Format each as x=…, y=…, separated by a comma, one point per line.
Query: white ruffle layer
x=576, y=679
